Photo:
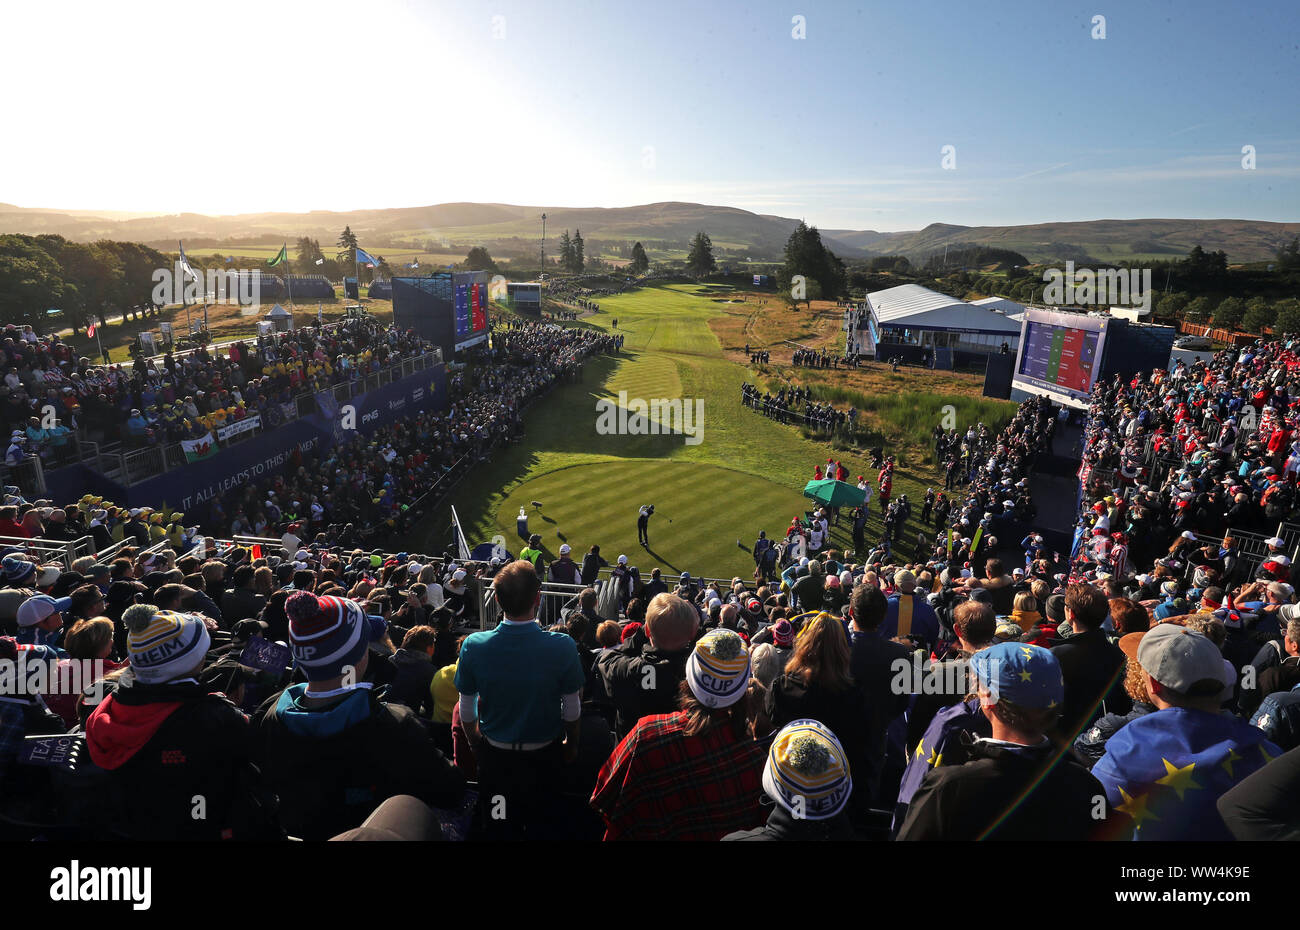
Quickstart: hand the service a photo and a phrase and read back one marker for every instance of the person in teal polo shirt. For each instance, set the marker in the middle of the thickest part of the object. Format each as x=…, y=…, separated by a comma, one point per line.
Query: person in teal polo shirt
x=520, y=703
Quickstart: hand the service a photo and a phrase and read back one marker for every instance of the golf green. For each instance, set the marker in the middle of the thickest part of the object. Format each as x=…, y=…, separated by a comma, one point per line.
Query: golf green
x=745, y=474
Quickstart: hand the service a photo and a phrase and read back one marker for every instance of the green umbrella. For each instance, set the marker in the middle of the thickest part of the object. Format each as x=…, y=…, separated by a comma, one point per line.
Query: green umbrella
x=834, y=493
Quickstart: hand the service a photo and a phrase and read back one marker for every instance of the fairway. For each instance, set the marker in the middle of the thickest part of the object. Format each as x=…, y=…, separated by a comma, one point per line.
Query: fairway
x=745, y=475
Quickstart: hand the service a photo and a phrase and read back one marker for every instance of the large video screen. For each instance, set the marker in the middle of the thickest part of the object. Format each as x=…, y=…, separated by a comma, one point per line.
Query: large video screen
x=1060, y=355
x=471, y=314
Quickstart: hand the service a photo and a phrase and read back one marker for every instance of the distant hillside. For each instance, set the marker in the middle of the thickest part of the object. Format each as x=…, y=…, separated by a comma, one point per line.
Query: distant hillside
x=664, y=227
x=1102, y=240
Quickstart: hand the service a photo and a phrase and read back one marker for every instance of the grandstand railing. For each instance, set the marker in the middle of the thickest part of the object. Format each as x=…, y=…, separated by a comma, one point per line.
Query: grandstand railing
x=52, y=550
x=27, y=475
x=1290, y=532
x=263, y=541
x=1251, y=548
x=132, y=465
x=555, y=596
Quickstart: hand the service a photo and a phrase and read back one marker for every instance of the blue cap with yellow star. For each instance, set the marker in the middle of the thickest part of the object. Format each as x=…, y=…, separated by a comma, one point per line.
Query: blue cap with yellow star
x=1025, y=675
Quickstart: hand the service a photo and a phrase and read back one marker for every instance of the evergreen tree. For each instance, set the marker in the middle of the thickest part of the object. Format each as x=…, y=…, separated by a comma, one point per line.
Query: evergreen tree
x=347, y=245
x=700, y=260
x=806, y=255
x=640, y=261
x=566, y=251
x=579, y=252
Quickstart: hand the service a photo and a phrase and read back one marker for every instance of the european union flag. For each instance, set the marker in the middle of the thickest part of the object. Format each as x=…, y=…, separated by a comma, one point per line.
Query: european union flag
x=1164, y=772
x=943, y=735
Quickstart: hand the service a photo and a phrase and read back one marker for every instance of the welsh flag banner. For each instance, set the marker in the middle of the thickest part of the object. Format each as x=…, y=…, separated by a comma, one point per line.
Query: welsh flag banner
x=201, y=448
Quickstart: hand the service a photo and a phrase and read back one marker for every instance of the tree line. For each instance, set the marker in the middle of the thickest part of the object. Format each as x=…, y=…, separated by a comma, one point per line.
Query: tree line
x=85, y=282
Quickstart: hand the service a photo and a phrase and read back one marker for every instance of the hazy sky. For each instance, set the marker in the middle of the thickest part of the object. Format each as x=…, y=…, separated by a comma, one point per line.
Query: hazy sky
x=163, y=106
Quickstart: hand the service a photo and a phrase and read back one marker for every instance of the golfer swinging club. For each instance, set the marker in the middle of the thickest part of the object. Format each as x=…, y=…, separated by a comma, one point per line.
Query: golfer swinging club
x=643, y=525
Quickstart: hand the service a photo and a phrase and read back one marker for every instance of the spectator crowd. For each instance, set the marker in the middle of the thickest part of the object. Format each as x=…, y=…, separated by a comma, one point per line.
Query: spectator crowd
x=1138, y=686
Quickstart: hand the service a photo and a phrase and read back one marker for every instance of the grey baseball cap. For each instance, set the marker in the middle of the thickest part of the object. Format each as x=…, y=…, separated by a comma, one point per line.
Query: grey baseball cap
x=1180, y=658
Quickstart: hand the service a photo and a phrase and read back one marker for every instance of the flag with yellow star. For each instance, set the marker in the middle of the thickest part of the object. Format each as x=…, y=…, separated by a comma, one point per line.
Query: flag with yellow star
x=1164, y=772
x=942, y=744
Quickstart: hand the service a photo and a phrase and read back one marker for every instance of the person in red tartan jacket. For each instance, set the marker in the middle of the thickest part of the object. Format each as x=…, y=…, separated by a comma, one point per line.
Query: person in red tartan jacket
x=695, y=774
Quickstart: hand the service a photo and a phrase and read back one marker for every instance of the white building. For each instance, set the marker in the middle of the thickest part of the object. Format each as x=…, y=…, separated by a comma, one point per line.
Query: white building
x=913, y=315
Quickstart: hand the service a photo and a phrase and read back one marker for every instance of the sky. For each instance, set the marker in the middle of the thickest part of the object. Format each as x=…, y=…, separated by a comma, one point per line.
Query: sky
x=885, y=116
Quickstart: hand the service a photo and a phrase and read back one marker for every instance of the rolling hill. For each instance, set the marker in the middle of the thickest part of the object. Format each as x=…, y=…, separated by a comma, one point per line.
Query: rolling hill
x=663, y=227
x=1103, y=240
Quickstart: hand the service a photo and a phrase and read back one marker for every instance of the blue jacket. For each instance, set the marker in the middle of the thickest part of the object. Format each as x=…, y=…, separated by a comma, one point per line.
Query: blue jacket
x=1278, y=718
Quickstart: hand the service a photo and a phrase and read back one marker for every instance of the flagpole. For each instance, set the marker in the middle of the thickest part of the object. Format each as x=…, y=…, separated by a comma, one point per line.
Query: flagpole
x=288, y=285
x=188, y=327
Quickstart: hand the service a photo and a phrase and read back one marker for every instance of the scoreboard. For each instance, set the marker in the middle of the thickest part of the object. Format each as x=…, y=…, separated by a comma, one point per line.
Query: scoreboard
x=1060, y=355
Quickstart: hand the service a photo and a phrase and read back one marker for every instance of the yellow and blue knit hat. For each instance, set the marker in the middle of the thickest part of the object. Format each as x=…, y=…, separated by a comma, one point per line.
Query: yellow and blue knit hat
x=162, y=644
x=807, y=772
x=718, y=669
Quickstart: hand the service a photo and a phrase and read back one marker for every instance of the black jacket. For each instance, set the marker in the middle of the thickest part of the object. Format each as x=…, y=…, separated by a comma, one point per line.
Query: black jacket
x=241, y=604
x=591, y=566
x=844, y=714
x=166, y=745
x=331, y=774
x=1002, y=793
x=810, y=590
x=873, y=664
x=412, y=680
x=640, y=680
x=1265, y=805
x=781, y=827
x=1093, y=670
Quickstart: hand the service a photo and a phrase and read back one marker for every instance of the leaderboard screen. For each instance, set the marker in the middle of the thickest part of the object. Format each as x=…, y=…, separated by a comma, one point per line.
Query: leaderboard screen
x=470, y=311
x=1060, y=354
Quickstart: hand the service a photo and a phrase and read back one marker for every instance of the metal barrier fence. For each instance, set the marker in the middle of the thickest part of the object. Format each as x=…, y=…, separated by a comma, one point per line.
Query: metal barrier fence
x=1251, y=547
x=52, y=550
x=555, y=597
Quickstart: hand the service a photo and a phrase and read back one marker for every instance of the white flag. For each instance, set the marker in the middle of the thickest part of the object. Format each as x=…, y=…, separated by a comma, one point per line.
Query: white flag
x=186, y=267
